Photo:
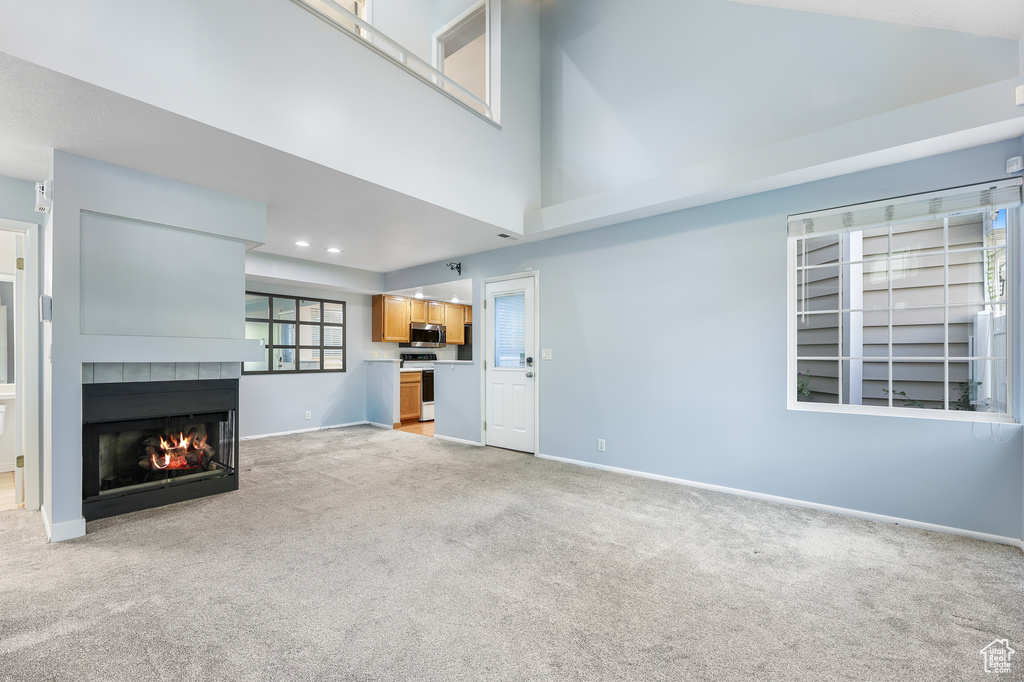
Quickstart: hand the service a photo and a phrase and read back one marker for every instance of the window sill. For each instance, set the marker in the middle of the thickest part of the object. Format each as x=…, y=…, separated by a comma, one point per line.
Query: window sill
x=903, y=412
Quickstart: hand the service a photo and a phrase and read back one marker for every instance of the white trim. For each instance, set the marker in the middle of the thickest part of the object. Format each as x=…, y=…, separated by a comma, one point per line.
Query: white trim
x=535, y=274
x=27, y=392
x=7, y=468
x=842, y=511
x=315, y=428
x=1015, y=241
x=458, y=440
x=66, y=530
x=389, y=427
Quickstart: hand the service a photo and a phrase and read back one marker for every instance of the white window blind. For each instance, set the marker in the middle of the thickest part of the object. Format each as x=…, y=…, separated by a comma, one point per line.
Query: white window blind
x=933, y=205
x=510, y=330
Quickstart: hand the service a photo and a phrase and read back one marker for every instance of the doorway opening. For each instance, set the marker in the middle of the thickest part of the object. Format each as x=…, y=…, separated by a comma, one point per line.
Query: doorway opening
x=20, y=461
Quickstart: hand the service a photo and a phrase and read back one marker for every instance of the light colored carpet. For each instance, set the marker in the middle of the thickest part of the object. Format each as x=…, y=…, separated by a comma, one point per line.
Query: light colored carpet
x=365, y=554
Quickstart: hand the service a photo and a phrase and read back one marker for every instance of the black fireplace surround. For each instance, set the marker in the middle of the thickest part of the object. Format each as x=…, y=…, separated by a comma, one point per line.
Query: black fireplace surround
x=122, y=429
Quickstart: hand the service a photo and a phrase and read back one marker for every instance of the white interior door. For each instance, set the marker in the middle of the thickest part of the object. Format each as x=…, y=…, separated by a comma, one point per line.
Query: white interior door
x=510, y=373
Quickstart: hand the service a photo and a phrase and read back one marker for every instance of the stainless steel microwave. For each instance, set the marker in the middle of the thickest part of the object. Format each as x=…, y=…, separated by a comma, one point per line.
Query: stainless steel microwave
x=425, y=336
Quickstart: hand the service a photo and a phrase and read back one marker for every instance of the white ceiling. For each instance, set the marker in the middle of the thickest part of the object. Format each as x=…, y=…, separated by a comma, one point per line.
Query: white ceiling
x=999, y=18
x=376, y=228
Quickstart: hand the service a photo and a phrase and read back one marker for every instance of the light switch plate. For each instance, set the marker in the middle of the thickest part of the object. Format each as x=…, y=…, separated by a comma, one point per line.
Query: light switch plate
x=545, y=354
x=1019, y=94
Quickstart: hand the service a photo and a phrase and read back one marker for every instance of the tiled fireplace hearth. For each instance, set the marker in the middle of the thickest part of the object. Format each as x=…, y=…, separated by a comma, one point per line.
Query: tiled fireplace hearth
x=150, y=443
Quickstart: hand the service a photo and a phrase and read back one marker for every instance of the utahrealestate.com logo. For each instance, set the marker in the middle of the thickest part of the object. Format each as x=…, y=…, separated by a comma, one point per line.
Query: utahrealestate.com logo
x=997, y=656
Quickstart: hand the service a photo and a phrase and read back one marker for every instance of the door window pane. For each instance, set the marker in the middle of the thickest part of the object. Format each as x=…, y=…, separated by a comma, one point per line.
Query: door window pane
x=284, y=308
x=284, y=359
x=334, y=358
x=309, y=335
x=309, y=311
x=284, y=334
x=334, y=313
x=309, y=358
x=257, y=306
x=510, y=330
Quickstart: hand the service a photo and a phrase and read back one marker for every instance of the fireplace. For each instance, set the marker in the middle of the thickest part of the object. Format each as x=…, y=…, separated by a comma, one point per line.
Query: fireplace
x=153, y=443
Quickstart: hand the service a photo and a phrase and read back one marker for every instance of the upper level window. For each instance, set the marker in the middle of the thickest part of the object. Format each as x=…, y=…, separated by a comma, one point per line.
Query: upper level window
x=902, y=306
x=454, y=49
x=299, y=334
x=460, y=51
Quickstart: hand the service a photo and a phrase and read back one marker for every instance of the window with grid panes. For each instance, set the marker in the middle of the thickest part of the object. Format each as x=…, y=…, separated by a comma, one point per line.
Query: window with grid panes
x=299, y=334
x=904, y=305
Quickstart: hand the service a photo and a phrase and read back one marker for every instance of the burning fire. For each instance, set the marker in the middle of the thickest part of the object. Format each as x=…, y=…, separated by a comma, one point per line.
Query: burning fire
x=175, y=452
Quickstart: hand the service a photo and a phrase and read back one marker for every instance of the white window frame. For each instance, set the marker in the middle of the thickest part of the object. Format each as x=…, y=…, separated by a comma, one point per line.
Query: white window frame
x=831, y=221
x=439, y=35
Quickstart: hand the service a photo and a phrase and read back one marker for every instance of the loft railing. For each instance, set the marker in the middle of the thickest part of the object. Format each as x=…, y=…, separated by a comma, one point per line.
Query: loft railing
x=353, y=25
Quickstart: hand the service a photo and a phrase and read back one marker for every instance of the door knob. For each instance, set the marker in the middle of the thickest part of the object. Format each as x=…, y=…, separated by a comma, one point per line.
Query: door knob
x=529, y=375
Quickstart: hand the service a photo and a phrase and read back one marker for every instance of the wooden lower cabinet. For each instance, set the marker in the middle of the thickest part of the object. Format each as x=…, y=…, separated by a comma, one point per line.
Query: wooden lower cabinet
x=409, y=397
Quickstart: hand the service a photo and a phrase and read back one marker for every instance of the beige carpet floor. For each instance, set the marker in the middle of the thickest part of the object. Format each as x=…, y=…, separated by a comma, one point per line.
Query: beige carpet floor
x=365, y=554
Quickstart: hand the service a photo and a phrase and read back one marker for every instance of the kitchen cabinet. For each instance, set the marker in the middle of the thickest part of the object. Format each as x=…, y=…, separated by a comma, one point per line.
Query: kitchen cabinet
x=469, y=314
x=390, y=319
x=418, y=310
x=409, y=397
x=435, y=312
x=455, y=323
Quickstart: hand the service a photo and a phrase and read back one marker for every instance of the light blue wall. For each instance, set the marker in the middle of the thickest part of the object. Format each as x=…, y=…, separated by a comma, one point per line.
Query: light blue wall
x=277, y=404
x=629, y=95
x=82, y=184
x=17, y=201
x=456, y=389
x=669, y=341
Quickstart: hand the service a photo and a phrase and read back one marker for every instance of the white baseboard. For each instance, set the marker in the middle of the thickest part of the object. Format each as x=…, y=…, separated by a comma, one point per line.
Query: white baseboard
x=315, y=428
x=389, y=427
x=459, y=440
x=66, y=530
x=881, y=518
x=6, y=467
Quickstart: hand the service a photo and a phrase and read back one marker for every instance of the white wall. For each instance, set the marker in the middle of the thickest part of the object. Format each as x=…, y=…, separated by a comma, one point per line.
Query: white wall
x=631, y=94
x=707, y=287
x=83, y=185
x=272, y=72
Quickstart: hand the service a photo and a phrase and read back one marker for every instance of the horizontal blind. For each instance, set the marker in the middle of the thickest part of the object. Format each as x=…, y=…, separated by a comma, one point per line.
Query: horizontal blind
x=950, y=202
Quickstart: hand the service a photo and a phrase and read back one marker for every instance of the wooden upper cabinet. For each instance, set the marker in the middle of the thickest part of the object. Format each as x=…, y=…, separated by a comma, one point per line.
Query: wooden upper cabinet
x=469, y=314
x=418, y=311
x=455, y=323
x=390, y=319
x=435, y=312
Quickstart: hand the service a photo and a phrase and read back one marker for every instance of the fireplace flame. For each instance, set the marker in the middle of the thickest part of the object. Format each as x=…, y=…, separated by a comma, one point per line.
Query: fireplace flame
x=176, y=451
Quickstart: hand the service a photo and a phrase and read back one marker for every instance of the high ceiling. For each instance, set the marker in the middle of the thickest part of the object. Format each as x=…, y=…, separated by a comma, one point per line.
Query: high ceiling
x=999, y=18
x=376, y=228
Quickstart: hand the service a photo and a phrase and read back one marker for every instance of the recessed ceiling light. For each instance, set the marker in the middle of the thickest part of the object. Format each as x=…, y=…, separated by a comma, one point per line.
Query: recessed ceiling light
x=333, y=250
x=301, y=243
x=419, y=294
x=455, y=299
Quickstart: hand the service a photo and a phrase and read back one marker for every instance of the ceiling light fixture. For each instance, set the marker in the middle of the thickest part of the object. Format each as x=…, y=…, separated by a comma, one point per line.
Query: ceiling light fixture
x=301, y=243
x=419, y=294
x=455, y=299
x=333, y=250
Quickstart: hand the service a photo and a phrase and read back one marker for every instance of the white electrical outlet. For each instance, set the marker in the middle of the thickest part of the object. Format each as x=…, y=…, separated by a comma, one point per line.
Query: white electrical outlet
x=309, y=414
x=374, y=355
x=600, y=444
